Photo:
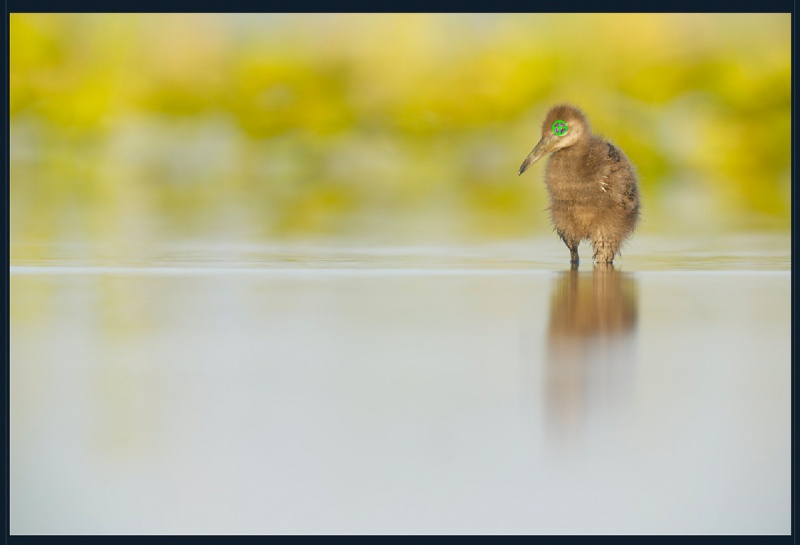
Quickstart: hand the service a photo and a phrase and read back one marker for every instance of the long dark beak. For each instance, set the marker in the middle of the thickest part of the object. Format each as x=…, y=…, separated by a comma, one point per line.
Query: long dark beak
x=545, y=146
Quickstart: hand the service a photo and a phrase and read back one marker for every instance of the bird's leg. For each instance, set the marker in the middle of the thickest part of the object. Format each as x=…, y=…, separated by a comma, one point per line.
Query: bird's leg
x=605, y=249
x=573, y=255
x=573, y=248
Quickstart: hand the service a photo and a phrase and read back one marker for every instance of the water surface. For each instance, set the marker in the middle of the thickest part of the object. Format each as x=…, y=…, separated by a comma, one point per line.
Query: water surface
x=357, y=388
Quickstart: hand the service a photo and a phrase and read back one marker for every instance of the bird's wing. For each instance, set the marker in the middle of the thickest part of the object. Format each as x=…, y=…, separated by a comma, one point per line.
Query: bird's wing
x=619, y=179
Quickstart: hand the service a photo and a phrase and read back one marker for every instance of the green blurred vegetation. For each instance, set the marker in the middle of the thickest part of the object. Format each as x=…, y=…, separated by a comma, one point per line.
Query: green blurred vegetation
x=131, y=128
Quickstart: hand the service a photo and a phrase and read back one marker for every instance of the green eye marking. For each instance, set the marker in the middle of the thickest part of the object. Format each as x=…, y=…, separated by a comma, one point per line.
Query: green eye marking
x=560, y=128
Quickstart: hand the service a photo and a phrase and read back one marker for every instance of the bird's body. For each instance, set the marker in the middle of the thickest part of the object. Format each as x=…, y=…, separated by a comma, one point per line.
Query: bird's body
x=592, y=185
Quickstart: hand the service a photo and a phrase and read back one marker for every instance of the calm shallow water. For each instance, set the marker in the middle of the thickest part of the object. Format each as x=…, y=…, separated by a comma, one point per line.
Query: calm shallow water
x=352, y=388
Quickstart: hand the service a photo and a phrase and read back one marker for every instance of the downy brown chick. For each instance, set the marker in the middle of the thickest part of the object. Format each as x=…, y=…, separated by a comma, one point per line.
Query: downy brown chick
x=592, y=185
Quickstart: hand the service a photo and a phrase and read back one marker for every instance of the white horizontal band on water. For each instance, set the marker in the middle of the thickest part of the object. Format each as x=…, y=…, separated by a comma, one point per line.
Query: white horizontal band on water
x=221, y=271
x=211, y=271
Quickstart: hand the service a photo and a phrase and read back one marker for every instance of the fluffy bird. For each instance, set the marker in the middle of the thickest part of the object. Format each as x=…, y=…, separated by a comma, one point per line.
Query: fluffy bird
x=594, y=193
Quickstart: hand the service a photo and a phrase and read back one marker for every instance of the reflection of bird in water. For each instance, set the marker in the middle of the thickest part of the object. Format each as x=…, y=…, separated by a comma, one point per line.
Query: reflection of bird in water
x=592, y=185
x=589, y=347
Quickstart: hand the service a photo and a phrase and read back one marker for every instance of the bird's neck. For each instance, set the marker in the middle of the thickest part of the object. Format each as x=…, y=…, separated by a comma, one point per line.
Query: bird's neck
x=581, y=147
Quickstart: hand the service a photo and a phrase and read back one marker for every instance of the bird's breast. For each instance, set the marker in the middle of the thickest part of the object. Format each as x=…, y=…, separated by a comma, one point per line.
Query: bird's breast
x=575, y=186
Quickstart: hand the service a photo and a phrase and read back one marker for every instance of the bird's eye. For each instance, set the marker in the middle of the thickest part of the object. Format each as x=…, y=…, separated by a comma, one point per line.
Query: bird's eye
x=560, y=128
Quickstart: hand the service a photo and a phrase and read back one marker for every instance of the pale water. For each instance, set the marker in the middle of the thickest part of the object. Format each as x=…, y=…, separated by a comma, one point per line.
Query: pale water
x=350, y=388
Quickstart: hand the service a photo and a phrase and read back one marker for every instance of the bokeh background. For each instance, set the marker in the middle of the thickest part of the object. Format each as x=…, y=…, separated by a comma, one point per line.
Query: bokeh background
x=128, y=129
x=278, y=274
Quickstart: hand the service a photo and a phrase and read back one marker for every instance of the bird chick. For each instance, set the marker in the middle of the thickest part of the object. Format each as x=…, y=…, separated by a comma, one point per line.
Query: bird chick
x=592, y=185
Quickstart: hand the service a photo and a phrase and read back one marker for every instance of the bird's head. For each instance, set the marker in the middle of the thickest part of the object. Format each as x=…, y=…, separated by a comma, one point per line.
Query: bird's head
x=563, y=126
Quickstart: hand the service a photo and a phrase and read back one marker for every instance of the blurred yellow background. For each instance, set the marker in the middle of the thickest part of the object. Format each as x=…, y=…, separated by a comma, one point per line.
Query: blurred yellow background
x=128, y=129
